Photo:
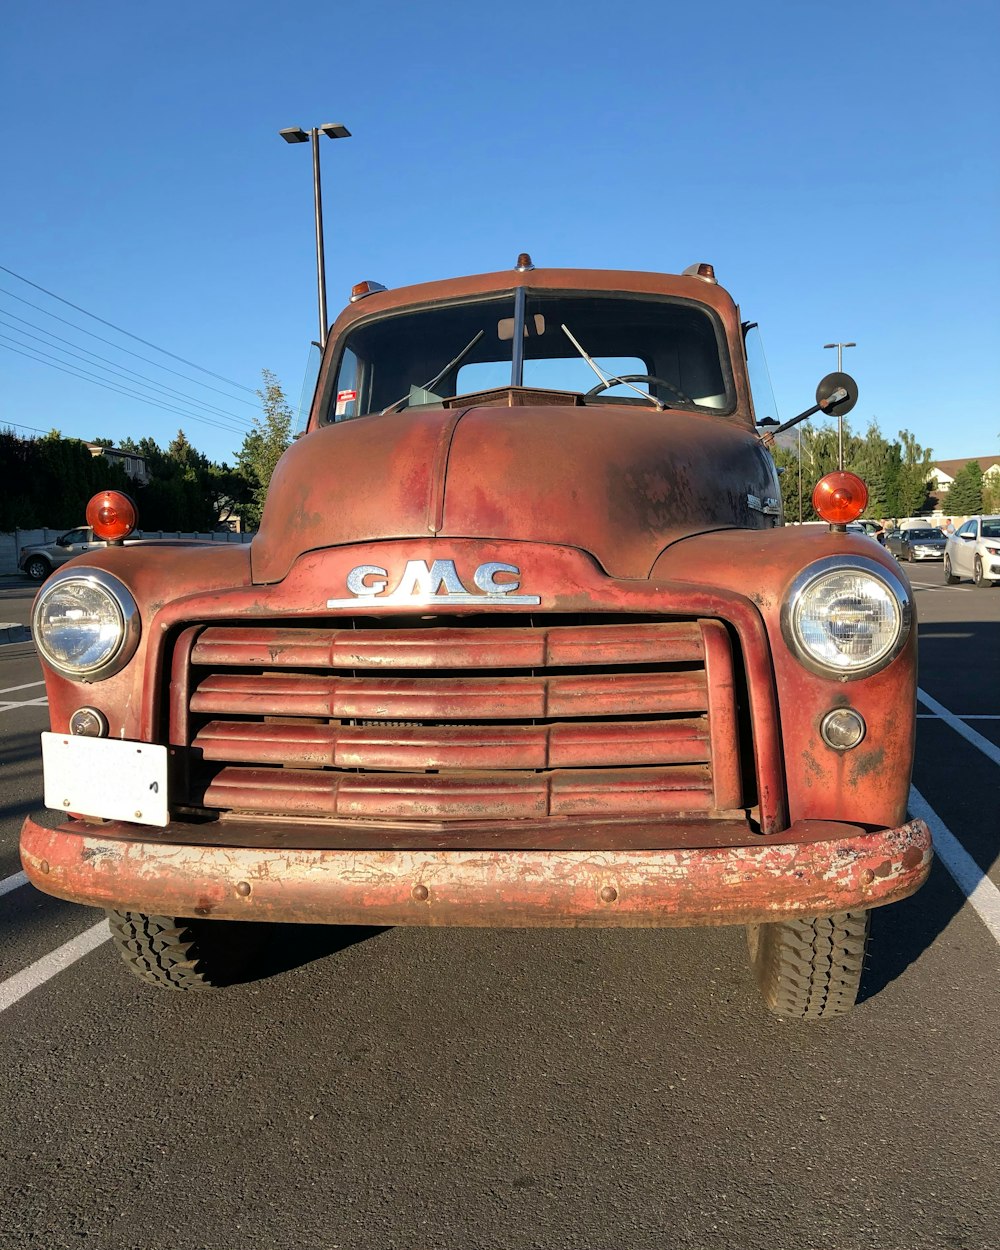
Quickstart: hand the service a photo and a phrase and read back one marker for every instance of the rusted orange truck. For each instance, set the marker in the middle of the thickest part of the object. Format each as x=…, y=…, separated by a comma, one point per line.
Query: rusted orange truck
x=522, y=640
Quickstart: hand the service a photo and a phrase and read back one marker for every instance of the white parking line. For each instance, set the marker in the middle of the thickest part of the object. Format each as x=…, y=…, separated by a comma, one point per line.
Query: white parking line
x=934, y=716
x=988, y=749
x=935, y=586
x=14, y=988
x=27, y=686
x=969, y=877
x=13, y=883
x=7, y=707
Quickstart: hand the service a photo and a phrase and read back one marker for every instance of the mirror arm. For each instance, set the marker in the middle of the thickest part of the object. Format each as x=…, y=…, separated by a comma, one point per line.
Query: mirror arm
x=824, y=404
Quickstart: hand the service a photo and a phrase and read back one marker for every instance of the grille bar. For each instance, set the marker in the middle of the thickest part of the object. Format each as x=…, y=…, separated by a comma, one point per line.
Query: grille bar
x=606, y=744
x=483, y=796
x=449, y=698
x=422, y=649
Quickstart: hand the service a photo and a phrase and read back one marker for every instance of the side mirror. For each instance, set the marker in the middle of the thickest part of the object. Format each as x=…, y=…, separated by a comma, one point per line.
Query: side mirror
x=840, y=384
x=832, y=383
x=62, y=541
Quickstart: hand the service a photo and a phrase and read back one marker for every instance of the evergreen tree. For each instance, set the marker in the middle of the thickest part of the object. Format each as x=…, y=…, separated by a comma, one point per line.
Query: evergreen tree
x=264, y=446
x=965, y=494
x=914, y=479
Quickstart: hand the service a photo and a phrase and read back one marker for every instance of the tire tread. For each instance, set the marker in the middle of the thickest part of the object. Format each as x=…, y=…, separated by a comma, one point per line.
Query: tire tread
x=810, y=968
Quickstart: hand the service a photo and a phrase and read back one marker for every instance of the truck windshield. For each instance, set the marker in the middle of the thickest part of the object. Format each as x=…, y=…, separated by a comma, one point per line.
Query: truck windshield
x=671, y=353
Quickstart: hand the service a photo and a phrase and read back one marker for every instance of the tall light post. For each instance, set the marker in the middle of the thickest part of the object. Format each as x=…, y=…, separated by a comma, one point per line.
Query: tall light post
x=800, y=474
x=295, y=134
x=840, y=420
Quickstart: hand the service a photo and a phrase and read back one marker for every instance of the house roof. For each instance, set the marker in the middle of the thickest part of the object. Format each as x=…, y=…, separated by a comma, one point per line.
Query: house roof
x=950, y=468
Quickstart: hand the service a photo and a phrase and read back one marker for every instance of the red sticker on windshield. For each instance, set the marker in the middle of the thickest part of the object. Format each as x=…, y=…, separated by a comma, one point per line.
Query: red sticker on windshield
x=343, y=399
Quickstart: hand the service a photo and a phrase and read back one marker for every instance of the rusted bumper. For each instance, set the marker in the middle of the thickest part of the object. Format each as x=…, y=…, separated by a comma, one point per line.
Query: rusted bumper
x=828, y=867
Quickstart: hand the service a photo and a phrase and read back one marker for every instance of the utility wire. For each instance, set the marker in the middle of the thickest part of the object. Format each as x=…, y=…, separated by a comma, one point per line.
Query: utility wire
x=108, y=386
x=118, y=347
x=128, y=333
x=14, y=425
x=110, y=366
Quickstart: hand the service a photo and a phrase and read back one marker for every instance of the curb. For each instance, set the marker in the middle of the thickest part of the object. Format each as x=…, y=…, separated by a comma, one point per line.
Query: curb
x=12, y=632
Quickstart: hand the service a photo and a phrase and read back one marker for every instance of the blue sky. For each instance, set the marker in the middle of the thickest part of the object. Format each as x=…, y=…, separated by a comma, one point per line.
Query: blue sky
x=837, y=165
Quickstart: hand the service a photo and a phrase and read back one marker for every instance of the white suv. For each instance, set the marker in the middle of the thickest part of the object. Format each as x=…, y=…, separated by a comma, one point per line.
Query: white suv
x=974, y=551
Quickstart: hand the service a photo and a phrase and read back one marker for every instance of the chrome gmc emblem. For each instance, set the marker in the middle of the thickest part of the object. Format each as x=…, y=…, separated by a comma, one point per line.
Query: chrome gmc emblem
x=437, y=583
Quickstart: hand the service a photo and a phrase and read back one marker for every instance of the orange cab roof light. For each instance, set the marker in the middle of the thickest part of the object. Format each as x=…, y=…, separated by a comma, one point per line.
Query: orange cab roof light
x=361, y=289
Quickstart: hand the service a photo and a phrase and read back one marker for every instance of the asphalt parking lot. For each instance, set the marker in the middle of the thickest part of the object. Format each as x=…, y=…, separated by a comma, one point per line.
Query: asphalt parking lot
x=559, y=1089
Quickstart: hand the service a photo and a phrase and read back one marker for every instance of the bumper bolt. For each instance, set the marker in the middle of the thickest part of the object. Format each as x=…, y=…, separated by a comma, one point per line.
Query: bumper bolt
x=608, y=894
x=243, y=889
x=867, y=877
x=420, y=893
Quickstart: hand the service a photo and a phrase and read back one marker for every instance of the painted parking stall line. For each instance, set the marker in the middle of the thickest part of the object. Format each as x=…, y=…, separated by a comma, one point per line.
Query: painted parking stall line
x=27, y=686
x=991, y=751
x=980, y=891
x=9, y=707
x=16, y=987
x=13, y=883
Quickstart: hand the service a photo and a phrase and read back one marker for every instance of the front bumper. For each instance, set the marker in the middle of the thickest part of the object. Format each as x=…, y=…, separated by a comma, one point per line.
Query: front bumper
x=816, y=868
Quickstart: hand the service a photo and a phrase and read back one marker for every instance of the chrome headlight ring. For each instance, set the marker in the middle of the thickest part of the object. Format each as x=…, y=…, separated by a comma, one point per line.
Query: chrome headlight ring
x=86, y=624
x=846, y=617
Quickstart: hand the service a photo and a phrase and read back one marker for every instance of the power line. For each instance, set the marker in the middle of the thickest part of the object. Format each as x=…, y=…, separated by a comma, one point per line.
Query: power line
x=238, y=399
x=15, y=426
x=190, y=363
x=108, y=386
x=112, y=367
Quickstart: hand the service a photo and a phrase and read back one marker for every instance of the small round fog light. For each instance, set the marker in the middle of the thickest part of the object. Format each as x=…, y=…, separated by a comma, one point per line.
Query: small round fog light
x=88, y=722
x=843, y=728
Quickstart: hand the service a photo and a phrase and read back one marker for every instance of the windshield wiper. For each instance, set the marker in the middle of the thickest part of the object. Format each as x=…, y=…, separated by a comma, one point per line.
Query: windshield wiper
x=427, y=386
x=608, y=382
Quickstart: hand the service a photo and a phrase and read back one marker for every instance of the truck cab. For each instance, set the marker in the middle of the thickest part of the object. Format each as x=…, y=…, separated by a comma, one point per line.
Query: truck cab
x=522, y=640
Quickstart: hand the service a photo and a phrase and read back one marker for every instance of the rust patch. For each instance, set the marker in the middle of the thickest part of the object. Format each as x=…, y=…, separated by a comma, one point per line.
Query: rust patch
x=865, y=763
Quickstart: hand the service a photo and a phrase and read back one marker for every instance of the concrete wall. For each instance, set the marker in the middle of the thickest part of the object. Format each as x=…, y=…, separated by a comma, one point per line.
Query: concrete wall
x=11, y=545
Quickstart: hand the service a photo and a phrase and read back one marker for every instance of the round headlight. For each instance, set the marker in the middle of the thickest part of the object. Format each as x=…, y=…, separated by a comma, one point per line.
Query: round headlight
x=846, y=617
x=86, y=624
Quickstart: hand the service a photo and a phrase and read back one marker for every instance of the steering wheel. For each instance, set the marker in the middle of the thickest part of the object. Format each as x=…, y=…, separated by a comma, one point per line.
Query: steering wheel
x=638, y=377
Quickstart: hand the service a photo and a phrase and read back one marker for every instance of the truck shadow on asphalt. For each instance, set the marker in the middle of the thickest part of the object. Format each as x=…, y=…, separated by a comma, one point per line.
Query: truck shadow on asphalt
x=902, y=932
x=280, y=948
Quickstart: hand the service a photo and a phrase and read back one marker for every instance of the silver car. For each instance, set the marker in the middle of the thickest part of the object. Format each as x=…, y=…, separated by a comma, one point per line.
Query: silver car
x=41, y=559
x=974, y=551
x=925, y=543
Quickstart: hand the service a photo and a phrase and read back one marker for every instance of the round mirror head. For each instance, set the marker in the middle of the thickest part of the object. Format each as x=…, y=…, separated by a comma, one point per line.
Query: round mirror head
x=835, y=382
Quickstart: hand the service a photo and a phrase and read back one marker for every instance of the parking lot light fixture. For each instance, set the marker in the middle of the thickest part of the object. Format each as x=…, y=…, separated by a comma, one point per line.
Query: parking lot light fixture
x=295, y=134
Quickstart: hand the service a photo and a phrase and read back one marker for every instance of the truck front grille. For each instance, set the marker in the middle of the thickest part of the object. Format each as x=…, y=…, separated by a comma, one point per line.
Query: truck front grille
x=473, y=721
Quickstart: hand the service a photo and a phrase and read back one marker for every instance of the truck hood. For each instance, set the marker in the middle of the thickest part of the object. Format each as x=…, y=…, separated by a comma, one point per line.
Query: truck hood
x=619, y=482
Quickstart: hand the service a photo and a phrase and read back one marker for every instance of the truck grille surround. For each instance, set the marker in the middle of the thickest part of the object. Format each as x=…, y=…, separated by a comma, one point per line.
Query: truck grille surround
x=447, y=720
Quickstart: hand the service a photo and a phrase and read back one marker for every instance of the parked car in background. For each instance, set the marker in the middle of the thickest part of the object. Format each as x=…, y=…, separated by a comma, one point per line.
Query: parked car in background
x=41, y=559
x=926, y=543
x=974, y=551
x=874, y=529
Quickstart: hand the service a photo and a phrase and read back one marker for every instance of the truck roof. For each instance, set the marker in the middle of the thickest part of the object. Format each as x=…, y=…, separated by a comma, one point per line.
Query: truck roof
x=620, y=280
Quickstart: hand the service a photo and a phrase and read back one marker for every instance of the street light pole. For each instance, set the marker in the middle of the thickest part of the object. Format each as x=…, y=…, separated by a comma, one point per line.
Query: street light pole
x=840, y=420
x=295, y=134
x=800, y=474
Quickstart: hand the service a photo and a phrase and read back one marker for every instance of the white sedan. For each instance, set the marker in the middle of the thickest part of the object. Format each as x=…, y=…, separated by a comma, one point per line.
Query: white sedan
x=974, y=551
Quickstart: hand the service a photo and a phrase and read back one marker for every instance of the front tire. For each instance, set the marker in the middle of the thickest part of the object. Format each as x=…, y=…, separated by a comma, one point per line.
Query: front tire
x=38, y=568
x=949, y=576
x=810, y=969
x=977, y=573
x=174, y=953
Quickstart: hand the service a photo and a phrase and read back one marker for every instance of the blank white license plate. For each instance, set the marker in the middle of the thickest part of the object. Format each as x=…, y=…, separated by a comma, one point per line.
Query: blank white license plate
x=106, y=777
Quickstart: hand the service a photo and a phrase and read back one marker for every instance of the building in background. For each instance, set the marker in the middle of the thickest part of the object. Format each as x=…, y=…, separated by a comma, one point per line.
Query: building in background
x=131, y=461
